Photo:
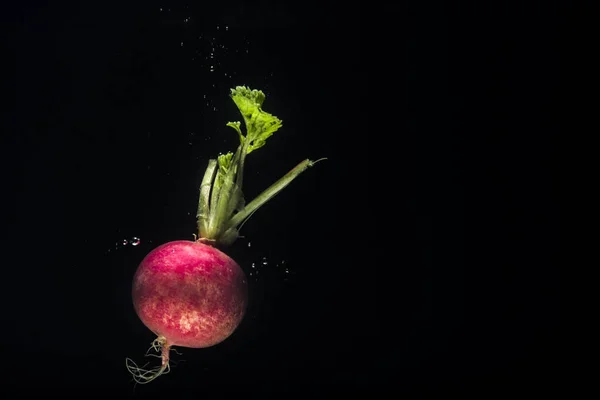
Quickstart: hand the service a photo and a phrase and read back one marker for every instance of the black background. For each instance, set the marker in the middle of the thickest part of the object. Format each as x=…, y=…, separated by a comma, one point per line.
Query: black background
x=421, y=252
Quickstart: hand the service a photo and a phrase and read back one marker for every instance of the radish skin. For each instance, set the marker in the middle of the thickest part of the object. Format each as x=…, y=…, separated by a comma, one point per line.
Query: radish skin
x=191, y=293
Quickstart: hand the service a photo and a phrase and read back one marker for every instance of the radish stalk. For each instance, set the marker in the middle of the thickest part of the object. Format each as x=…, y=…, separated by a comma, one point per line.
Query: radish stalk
x=221, y=207
x=268, y=194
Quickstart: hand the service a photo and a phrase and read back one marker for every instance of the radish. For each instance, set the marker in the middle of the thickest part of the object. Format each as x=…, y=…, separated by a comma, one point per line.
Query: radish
x=190, y=293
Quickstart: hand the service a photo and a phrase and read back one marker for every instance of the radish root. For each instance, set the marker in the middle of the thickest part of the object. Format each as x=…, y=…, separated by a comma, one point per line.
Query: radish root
x=142, y=375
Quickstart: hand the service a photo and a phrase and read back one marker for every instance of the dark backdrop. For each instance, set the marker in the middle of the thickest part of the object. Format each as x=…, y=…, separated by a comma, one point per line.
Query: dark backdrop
x=418, y=256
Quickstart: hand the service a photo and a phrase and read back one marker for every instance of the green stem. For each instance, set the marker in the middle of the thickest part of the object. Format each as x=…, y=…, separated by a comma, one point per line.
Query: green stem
x=222, y=198
x=269, y=193
x=203, y=204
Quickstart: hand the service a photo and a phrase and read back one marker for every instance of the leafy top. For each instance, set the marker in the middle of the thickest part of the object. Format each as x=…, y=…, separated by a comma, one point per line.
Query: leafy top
x=260, y=125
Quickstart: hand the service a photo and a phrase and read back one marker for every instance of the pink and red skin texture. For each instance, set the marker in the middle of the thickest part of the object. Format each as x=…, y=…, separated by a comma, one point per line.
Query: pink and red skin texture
x=191, y=293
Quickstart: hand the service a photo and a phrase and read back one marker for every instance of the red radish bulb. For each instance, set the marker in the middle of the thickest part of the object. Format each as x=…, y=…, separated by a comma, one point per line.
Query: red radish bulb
x=190, y=293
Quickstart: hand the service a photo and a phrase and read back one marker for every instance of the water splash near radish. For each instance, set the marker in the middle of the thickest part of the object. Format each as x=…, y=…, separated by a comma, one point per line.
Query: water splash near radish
x=190, y=293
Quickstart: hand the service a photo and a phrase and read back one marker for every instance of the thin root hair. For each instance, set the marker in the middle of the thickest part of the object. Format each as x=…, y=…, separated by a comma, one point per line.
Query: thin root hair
x=142, y=375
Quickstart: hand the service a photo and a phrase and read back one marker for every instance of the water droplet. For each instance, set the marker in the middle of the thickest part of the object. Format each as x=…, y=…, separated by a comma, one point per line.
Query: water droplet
x=226, y=27
x=253, y=265
x=287, y=271
x=135, y=241
x=181, y=43
x=264, y=261
x=125, y=242
x=249, y=244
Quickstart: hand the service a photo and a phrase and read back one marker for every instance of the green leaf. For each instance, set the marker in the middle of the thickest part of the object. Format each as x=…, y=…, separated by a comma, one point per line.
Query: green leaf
x=260, y=125
x=236, y=125
x=246, y=100
x=264, y=126
x=224, y=164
